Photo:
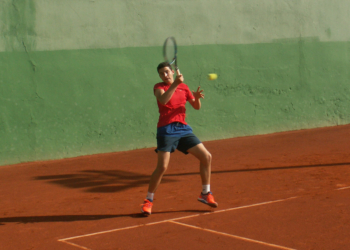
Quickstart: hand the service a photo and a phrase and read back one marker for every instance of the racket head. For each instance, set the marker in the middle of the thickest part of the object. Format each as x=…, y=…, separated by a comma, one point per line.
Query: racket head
x=170, y=51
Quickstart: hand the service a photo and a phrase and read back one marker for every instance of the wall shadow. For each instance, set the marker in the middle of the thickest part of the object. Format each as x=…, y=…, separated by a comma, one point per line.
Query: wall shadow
x=112, y=181
x=267, y=169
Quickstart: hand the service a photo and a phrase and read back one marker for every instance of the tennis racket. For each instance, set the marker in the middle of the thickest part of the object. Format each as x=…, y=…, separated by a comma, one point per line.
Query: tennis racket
x=170, y=52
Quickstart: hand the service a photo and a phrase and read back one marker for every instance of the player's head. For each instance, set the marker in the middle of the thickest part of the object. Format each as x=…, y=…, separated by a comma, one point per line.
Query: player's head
x=163, y=65
x=166, y=73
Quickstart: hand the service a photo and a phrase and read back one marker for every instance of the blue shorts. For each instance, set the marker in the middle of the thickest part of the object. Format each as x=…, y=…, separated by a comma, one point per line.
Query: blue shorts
x=175, y=129
x=176, y=136
x=184, y=143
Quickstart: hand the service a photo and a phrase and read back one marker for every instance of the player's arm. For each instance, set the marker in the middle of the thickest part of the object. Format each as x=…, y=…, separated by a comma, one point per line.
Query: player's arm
x=196, y=102
x=164, y=96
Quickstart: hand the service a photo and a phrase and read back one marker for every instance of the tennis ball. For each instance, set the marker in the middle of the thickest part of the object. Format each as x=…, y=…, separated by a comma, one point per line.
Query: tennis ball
x=212, y=76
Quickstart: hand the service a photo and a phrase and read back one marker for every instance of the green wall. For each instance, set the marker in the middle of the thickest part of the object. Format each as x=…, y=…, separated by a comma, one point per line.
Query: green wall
x=76, y=77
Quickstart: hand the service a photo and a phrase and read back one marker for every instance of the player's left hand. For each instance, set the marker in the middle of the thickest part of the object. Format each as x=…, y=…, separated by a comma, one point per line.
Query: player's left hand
x=198, y=94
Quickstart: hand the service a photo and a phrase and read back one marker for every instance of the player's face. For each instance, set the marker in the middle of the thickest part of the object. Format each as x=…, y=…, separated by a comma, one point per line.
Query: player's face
x=167, y=75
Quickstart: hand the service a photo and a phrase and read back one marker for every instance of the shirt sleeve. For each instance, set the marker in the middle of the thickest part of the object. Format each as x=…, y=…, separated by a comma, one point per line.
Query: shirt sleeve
x=189, y=94
x=157, y=86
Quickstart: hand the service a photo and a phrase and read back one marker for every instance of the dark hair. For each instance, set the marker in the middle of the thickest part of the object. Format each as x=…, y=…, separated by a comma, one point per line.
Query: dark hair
x=163, y=65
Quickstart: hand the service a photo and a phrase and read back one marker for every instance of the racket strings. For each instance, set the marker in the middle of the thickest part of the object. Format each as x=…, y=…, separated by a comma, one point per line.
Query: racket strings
x=170, y=51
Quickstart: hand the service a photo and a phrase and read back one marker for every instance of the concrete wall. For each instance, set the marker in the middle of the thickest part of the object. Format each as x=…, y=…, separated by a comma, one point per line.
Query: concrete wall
x=76, y=76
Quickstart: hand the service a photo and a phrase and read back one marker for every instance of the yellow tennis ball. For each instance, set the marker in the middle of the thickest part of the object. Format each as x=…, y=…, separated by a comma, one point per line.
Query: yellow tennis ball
x=212, y=76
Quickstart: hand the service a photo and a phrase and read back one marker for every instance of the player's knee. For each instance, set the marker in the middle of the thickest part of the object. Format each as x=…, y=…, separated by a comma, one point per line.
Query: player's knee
x=207, y=158
x=162, y=168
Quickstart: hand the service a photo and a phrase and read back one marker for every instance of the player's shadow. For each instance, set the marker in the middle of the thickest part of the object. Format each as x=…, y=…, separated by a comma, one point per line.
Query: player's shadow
x=72, y=218
x=101, y=181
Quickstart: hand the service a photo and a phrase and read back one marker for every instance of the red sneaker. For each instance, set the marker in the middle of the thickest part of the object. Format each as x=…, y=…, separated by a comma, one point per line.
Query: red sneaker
x=208, y=199
x=146, y=207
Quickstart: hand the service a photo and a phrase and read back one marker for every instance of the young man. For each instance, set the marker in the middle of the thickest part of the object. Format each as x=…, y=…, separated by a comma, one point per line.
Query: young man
x=174, y=133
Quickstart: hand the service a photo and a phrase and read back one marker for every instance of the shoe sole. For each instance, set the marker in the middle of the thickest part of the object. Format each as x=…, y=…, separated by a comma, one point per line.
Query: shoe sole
x=209, y=204
x=145, y=213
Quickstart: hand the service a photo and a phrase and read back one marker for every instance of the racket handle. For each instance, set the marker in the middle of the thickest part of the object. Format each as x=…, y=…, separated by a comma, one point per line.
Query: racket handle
x=178, y=71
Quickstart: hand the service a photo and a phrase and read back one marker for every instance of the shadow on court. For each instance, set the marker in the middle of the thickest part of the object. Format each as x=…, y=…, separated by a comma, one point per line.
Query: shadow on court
x=113, y=181
x=266, y=169
x=71, y=218
x=101, y=181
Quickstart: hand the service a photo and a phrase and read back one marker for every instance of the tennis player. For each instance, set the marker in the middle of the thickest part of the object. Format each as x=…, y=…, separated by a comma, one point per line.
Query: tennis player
x=174, y=133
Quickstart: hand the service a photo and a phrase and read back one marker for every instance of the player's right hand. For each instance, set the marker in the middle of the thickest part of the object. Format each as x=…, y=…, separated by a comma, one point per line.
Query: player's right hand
x=179, y=79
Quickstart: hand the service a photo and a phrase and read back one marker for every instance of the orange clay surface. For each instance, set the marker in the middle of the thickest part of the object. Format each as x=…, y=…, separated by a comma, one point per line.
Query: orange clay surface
x=286, y=190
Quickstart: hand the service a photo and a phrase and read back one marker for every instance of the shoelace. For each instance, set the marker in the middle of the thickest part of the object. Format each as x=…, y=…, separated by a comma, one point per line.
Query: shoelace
x=147, y=204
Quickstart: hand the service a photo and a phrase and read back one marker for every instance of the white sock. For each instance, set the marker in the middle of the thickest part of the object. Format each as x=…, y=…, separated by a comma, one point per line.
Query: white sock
x=150, y=196
x=205, y=189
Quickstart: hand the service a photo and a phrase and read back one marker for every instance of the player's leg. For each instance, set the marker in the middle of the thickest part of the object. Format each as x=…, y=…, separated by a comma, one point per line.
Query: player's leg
x=156, y=177
x=162, y=166
x=205, y=158
x=165, y=145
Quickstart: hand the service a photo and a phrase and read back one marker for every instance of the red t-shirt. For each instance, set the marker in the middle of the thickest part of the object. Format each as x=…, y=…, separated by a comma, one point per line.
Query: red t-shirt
x=174, y=110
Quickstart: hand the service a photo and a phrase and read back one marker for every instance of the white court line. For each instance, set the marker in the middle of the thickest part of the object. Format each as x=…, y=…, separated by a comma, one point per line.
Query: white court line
x=343, y=188
x=169, y=220
x=75, y=245
x=233, y=236
x=124, y=228
x=254, y=205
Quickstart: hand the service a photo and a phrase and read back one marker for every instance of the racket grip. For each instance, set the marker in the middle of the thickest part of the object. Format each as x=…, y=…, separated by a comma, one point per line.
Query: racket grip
x=178, y=71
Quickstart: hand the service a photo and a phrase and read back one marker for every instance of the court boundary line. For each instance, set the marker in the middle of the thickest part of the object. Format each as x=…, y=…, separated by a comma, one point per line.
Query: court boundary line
x=343, y=188
x=75, y=245
x=233, y=236
x=66, y=240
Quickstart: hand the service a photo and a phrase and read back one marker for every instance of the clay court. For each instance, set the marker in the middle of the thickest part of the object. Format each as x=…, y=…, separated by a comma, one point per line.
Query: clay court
x=286, y=190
